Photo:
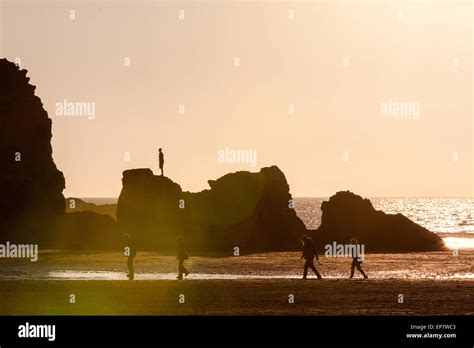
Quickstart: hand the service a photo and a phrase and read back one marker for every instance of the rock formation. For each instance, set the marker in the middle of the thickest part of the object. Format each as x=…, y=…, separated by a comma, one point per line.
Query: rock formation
x=31, y=185
x=86, y=230
x=347, y=215
x=75, y=205
x=250, y=211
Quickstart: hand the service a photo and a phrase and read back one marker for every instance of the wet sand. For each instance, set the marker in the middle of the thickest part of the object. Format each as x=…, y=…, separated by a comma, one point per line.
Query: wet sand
x=437, y=283
x=154, y=266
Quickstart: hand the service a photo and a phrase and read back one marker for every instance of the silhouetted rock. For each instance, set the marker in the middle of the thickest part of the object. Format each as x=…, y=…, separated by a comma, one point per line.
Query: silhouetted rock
x=347, y=215
x=86, y=231
x=75, y=205
x=245, y=210
x=31, y=185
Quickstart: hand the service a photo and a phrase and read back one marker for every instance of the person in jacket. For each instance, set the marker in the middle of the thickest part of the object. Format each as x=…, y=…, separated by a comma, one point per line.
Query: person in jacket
x=309, y=253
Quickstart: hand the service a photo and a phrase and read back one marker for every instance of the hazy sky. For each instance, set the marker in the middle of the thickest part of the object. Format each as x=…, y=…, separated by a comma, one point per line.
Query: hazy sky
x=317, y=88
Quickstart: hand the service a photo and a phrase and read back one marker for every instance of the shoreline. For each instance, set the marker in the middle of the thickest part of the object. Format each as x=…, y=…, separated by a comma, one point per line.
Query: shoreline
x=276, y=265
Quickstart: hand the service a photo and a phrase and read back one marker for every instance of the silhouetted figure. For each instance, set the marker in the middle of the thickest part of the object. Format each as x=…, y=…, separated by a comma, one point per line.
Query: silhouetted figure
x=131, y=252
x=309, y=252
x=161, y=158
x=182, y=255
x=356, y=261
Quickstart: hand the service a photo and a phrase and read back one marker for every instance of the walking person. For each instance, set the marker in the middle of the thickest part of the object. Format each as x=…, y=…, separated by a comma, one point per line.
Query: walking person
x=309, y=252
x=181, y=256
x=356, y=259
x=130, y=252
x=161, y=159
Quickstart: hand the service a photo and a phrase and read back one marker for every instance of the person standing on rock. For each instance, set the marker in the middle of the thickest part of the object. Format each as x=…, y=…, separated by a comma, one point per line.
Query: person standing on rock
x=309, y=252
x=161, y=159
x=181, y=256
x=130, y=253
x=356, y=259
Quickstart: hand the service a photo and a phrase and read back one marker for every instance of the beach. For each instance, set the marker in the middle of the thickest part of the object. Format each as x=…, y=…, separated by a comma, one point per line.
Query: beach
x=436, y=283
x=238, y=297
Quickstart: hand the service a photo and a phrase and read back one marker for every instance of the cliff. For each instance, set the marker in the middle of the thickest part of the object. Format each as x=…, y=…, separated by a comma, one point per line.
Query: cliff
x=31, y=185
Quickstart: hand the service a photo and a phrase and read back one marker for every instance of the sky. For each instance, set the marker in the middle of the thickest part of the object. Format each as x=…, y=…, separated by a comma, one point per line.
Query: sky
x=369, y=96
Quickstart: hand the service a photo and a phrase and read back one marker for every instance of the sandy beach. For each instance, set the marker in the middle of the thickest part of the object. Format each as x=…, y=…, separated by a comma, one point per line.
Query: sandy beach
x=238, y=297
x=260, y=284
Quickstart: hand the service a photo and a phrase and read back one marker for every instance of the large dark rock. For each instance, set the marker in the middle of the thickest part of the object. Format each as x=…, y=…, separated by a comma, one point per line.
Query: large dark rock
x=348, y=215
x=246, y=210
x=86, y=230
x=31, y=186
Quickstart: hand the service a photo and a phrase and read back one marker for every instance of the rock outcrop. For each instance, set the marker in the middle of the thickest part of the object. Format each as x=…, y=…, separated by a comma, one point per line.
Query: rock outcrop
x=348, y=215
x=31, y=186
x=86, y=230
x=250, y=211
x=75, y=205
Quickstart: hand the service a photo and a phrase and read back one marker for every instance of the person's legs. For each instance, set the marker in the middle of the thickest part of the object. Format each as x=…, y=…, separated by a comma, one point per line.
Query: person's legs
x=131, y=273
x=360, y=270
x=162, y=173
x=185, y=270
x=315, y=270
x=352, y=268
x=180, y=269
x=306, y=266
